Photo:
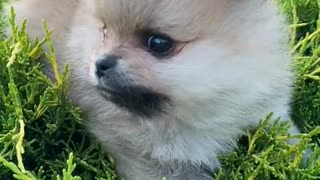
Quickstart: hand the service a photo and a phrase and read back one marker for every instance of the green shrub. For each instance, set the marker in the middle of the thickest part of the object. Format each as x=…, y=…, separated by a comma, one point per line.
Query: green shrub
x=39, y=127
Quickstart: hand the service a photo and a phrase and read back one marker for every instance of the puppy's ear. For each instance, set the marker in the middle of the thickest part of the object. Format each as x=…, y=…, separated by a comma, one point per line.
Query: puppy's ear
x=35, y=11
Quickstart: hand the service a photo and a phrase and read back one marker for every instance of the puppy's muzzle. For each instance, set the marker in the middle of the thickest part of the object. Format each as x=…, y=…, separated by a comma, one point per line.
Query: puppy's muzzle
x=115, y=86
x=104, y=63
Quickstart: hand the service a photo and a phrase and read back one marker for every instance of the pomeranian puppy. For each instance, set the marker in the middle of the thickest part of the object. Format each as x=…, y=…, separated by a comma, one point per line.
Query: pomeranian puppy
x=169, y=85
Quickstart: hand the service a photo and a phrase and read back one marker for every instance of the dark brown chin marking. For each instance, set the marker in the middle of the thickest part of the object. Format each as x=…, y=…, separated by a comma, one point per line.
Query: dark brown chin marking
x=138, y=100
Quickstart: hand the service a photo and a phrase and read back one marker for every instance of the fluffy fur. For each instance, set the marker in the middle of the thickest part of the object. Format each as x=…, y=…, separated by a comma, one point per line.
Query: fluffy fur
x=232, y=70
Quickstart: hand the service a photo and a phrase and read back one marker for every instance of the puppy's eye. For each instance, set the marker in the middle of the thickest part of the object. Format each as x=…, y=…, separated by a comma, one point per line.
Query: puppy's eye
x=159, y=45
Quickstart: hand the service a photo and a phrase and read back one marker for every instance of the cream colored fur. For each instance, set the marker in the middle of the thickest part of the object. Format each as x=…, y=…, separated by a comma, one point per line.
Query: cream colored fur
x=233, y=71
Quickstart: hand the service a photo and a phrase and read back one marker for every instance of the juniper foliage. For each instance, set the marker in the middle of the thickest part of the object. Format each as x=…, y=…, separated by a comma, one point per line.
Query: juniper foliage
x=41, y=132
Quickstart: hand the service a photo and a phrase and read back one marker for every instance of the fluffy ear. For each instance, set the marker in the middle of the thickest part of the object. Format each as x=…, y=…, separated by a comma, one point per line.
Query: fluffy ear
x=35, y=11
x=30, y=10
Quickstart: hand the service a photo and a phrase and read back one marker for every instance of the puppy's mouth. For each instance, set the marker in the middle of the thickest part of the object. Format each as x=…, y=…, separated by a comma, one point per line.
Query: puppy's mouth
x=138, y=100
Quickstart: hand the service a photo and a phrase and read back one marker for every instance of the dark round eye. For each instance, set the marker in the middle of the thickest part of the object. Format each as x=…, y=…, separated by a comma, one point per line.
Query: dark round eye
x=159, y=45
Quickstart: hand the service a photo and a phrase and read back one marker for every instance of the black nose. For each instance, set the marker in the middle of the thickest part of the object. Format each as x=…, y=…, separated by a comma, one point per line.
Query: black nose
x=104, y=63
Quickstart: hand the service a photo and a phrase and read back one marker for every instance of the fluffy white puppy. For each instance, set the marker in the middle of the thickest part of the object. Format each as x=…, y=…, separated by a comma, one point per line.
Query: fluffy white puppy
x=168, y=85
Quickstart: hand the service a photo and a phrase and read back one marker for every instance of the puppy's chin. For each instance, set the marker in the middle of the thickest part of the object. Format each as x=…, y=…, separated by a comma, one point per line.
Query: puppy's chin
x=138, y=100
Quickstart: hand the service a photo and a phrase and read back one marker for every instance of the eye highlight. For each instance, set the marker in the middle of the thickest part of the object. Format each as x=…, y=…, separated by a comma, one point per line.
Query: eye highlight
x=105, y=32
x=158, y=45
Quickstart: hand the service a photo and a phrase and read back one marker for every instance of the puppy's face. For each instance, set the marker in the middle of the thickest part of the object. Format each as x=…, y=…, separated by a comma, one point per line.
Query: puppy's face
x=152, y=57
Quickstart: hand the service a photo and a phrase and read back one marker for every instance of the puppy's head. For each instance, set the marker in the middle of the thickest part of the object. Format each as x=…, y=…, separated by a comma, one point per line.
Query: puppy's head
x=182, y=56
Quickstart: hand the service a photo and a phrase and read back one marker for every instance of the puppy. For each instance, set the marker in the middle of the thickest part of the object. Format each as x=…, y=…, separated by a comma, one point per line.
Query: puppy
x=169, y=85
